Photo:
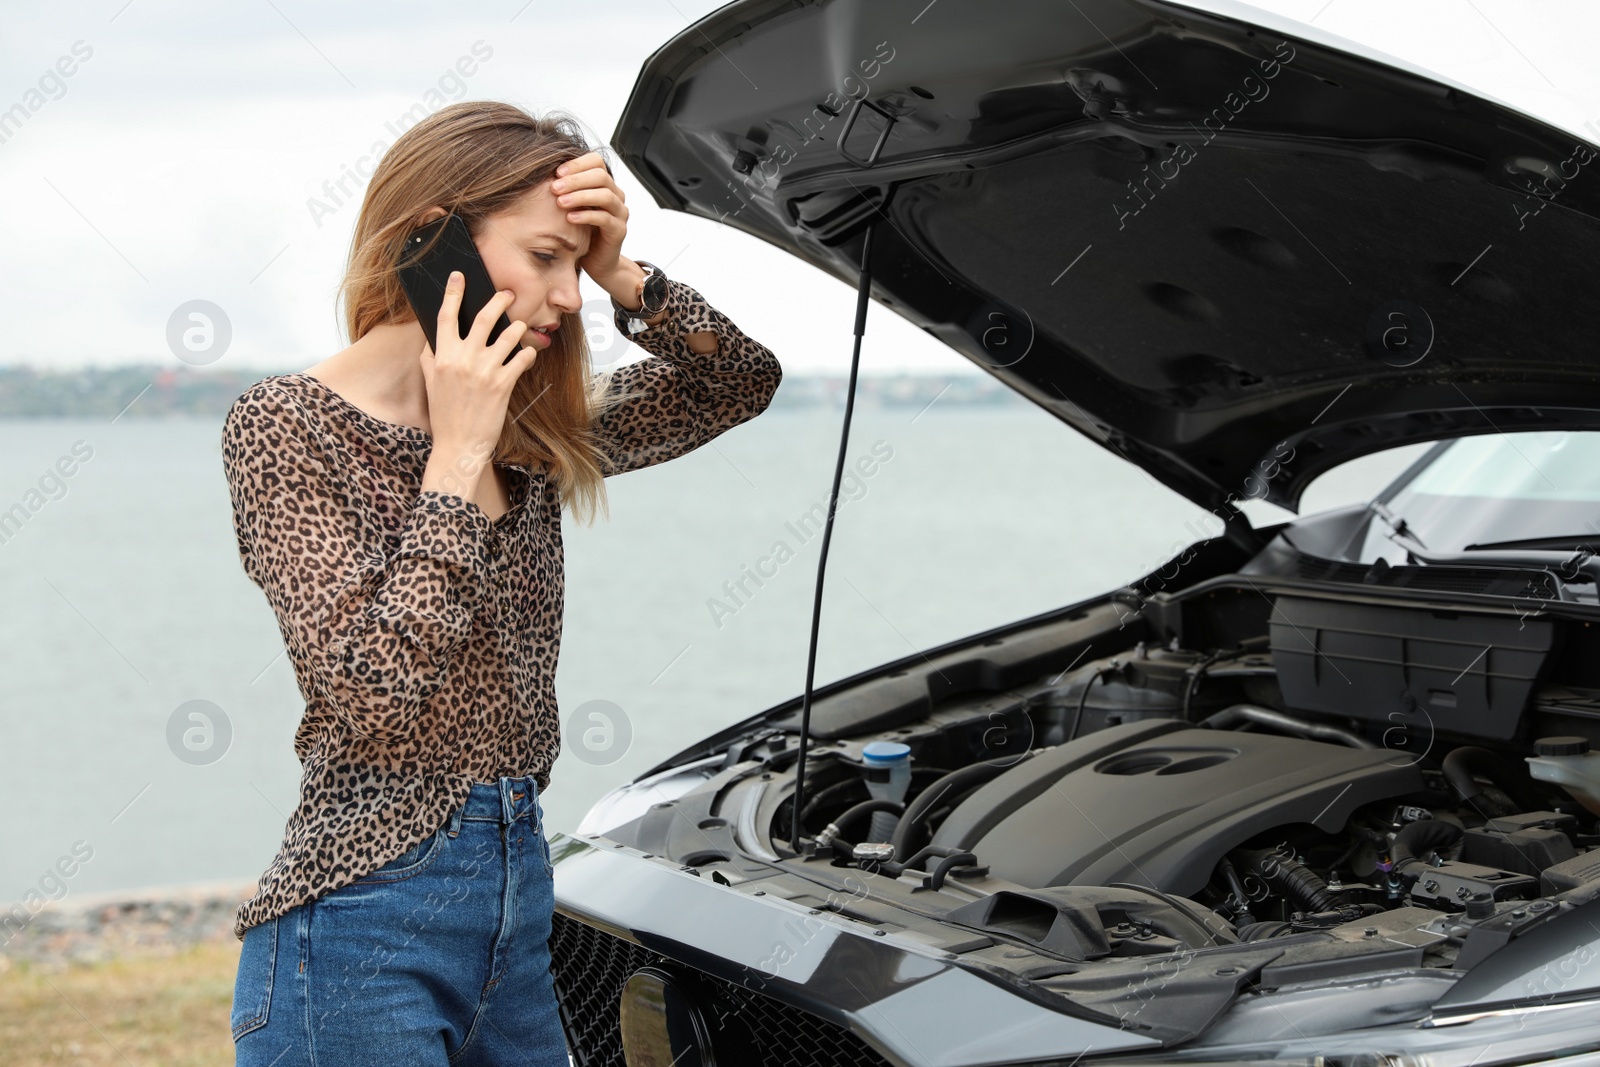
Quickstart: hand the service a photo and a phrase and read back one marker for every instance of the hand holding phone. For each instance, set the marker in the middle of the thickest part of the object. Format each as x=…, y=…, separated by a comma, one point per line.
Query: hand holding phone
x=424, y=276
x=473, y=359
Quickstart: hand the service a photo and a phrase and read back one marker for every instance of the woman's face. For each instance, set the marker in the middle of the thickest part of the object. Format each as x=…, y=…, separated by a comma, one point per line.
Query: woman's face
x=533, y=250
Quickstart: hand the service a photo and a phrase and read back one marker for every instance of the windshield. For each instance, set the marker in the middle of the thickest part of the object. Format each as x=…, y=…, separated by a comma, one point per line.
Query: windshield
x=1536, y=490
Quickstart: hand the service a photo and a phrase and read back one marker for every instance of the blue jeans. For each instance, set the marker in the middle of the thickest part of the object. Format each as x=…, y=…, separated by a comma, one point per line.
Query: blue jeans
x=439, y=957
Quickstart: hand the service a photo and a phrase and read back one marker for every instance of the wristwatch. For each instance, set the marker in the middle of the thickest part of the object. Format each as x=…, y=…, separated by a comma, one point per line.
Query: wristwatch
x=653, y=293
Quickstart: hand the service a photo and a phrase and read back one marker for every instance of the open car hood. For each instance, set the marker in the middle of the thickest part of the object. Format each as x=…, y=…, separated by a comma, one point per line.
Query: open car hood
x=1234, y=255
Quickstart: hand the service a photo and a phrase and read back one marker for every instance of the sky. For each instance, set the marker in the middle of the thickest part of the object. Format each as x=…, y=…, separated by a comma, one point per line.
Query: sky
x=180, y=159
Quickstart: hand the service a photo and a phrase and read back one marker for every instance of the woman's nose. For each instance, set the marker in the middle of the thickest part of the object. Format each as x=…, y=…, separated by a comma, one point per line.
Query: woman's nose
x=566, y=297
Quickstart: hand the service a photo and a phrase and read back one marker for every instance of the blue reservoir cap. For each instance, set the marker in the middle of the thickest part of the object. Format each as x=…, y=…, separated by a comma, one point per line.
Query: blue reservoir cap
x=886, y=751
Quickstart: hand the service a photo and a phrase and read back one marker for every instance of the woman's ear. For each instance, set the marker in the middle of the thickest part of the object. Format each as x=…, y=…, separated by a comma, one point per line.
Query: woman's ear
x=435, y=212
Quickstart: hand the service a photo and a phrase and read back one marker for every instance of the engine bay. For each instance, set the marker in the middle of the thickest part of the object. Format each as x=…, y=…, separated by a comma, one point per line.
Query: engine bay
x=1344, y=777
x=1252, y=783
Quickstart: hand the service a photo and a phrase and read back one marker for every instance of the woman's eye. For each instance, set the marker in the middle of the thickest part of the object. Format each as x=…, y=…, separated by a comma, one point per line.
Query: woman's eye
x=544, y=257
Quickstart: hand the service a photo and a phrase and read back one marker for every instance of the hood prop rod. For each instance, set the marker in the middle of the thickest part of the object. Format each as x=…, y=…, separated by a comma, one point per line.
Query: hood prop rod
x=863, y=298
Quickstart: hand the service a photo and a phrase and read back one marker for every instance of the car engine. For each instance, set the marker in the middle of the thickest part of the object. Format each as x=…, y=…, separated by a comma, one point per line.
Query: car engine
x=1317, y=763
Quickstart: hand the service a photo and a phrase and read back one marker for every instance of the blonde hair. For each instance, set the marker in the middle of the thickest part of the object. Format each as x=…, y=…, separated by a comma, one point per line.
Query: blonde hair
x=475, y=159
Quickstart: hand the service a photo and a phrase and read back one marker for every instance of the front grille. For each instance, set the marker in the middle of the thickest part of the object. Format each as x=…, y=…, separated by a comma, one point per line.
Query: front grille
x=590, y=968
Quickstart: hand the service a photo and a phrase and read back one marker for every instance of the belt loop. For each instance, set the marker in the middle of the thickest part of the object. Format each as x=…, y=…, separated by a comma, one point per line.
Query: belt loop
x=455, y=819
x=508, y=807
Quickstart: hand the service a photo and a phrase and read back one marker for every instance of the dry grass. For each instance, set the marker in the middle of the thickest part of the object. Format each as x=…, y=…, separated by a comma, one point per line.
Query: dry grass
x=140, y=1010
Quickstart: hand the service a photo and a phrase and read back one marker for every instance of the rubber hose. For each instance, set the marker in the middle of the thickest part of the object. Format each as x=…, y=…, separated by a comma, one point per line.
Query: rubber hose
x=894, y=868
x=947, y=786
x=883, y=824
x=1262, y=930
x=1416, y=840
x=855, y=811
x=1232, y=716
x=1458, y=768
x=827, y=793
x=1240, y=895
x=1291, y=877
x=955, y=859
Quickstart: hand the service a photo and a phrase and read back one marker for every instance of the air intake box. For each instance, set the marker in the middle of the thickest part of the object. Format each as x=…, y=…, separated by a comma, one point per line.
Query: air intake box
x=1466, y=671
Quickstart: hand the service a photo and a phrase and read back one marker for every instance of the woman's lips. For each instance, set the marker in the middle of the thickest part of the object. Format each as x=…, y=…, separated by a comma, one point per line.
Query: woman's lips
x=541, y=334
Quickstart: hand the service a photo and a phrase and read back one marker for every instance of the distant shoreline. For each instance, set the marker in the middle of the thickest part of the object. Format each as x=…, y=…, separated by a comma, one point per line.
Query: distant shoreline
x=158, y=390
x=90, y=927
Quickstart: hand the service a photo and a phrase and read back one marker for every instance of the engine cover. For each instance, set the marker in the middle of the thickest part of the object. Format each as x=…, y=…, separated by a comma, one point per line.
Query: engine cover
x=1159, y=803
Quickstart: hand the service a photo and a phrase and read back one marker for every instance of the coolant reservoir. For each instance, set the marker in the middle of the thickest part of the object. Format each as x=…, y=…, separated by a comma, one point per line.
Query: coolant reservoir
x=1567, y=762
x=888, y=775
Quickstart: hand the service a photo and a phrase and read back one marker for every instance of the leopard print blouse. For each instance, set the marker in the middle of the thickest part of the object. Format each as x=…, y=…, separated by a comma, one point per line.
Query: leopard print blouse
x=423, y=635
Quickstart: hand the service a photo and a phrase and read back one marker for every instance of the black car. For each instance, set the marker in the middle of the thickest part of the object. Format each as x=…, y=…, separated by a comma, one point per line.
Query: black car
x=1319, y=792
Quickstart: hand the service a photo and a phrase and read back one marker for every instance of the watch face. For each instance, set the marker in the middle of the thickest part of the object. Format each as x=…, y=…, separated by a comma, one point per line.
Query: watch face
x=654, y=297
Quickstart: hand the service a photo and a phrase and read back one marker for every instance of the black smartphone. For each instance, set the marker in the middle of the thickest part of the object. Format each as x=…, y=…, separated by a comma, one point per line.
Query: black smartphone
x=424, y=276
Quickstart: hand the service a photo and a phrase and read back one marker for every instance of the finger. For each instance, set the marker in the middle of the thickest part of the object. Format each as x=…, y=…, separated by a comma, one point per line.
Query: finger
x=601, y=198
x=520, y=360
x=606, y=222
x=450, y=306
x=487, y=316
x=509, y=338
x=584, y=179
x=583, y=162
x=587, y=179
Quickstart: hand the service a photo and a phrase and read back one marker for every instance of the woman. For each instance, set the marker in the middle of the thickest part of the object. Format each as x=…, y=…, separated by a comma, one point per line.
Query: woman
x=401, y=509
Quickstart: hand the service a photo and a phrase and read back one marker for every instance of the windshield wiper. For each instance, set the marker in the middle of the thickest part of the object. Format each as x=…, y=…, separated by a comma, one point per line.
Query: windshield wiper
x=1587, y=544
x=1401, y=533
x=1572, y=569
x=1395, y=523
